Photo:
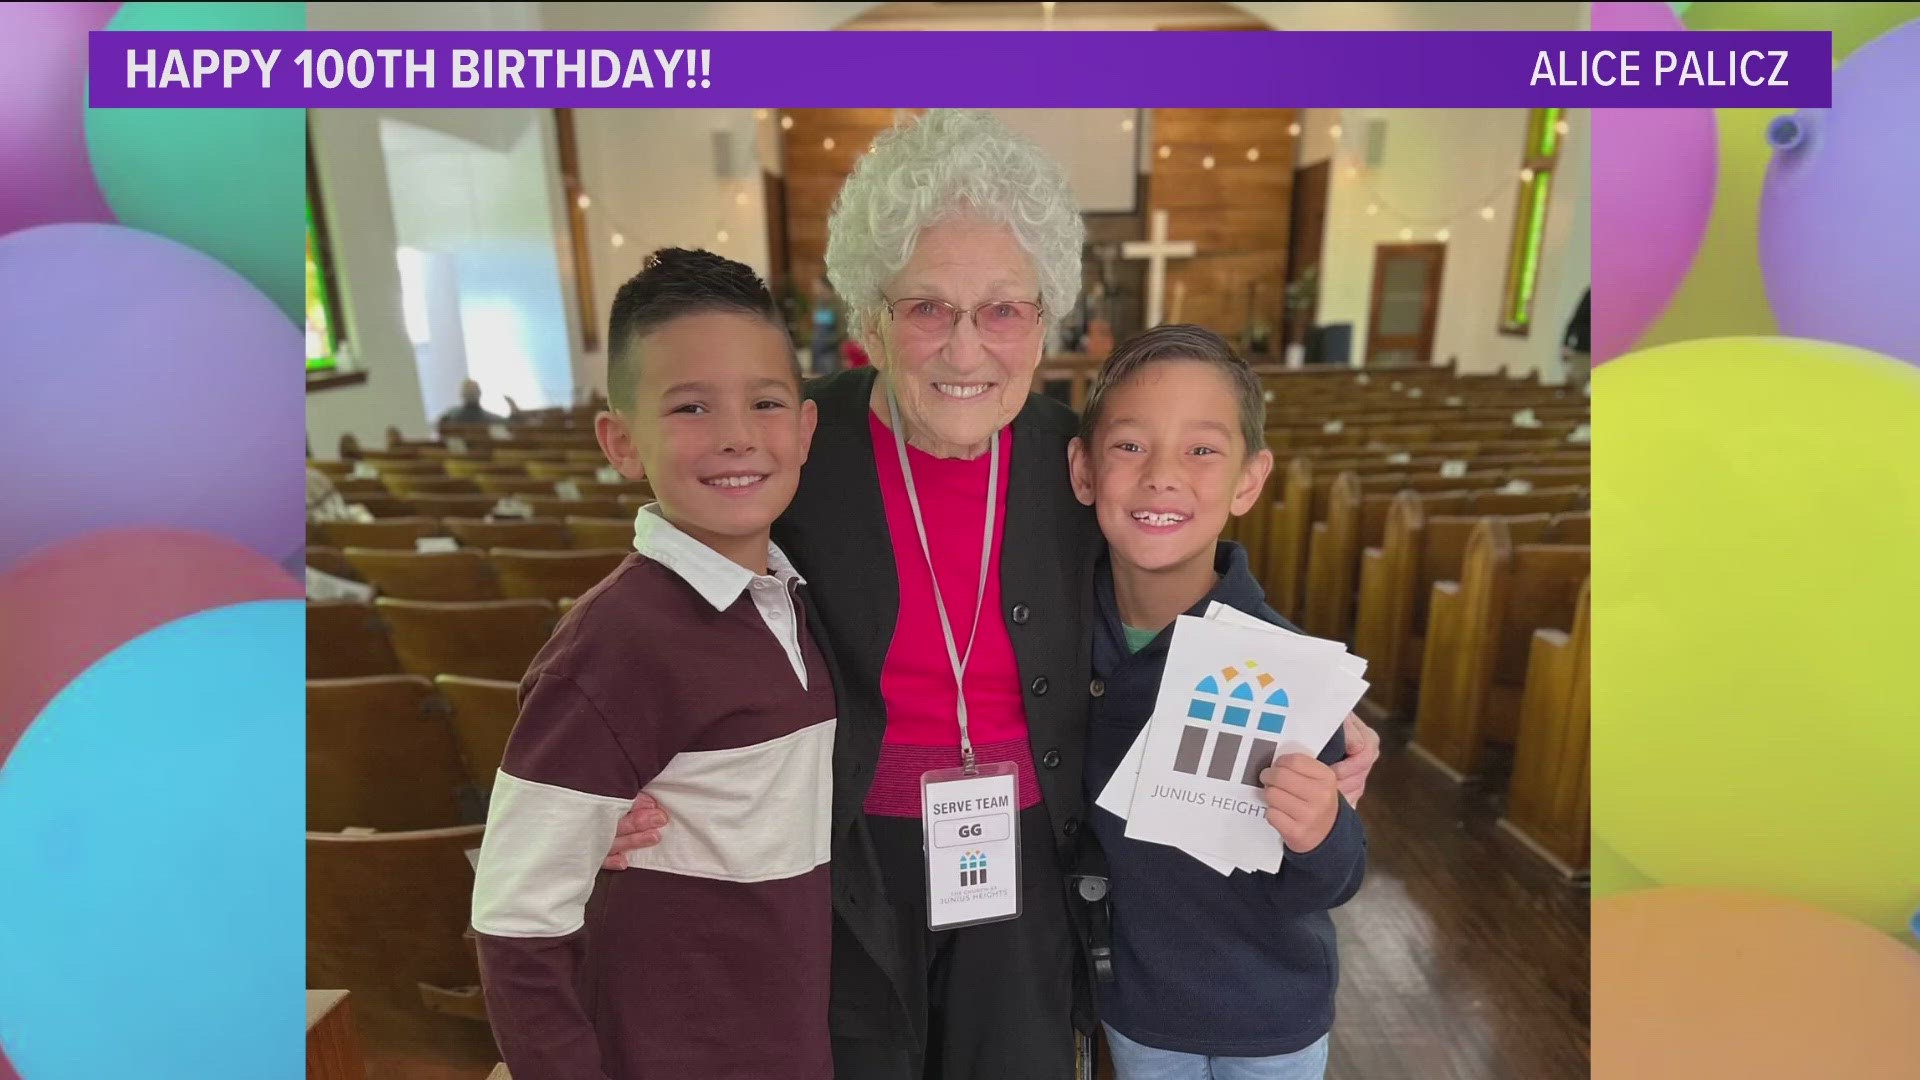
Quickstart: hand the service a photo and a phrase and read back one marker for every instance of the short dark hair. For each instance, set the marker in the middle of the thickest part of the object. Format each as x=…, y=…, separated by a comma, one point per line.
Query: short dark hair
x=1182, y=341
x=673, y=282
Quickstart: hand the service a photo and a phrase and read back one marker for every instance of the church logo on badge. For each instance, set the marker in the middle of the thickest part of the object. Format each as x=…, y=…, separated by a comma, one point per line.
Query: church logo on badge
x=1234, y=710
x=973, y=868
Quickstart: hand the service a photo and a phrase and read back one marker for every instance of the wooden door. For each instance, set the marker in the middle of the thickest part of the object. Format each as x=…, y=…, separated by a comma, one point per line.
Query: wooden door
x=1406, y=302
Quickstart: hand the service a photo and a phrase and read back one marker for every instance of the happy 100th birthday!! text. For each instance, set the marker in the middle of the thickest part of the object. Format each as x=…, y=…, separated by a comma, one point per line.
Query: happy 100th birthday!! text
x=519, y=69
x=563, y=69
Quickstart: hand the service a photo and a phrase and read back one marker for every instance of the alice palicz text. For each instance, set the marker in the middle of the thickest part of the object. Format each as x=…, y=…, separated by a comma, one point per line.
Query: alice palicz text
x=409, y=69
x=1628, y=67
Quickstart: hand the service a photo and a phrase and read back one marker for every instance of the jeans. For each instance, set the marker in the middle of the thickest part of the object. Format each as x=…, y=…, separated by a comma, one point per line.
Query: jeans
x=1132, y=1061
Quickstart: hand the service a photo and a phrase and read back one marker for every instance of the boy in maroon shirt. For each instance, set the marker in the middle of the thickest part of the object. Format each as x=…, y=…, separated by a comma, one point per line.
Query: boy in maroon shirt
x=689, y=672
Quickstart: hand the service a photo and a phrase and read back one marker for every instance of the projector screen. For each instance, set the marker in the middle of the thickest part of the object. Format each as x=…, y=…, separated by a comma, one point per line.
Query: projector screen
x=1097, y=147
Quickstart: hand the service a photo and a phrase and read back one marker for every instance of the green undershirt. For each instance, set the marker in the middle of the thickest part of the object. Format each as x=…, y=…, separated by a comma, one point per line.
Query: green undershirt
x=1138, y=639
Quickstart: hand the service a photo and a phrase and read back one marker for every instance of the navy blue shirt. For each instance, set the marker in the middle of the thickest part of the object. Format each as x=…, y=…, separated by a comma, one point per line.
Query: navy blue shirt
x=1239, y=966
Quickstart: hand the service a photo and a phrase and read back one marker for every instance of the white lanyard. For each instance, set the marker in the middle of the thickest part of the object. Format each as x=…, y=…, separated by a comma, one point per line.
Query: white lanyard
x=954, y=656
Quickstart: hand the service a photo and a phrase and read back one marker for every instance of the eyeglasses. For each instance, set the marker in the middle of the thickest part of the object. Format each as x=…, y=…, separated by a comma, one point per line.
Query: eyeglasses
x=996, y=320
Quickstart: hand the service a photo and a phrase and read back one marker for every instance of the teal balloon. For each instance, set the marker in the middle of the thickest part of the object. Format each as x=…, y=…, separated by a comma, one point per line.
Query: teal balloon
x=229, y=182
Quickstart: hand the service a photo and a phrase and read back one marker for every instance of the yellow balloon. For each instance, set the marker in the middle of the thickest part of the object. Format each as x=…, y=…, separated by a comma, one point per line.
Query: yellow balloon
x=1756, y=576
x=1692, y=983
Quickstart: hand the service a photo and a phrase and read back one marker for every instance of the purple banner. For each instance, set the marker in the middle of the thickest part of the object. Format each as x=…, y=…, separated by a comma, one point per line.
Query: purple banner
x=800, y=69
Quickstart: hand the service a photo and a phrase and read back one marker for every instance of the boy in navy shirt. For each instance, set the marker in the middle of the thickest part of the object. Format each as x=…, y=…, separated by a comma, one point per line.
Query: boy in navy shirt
x=1215, y=977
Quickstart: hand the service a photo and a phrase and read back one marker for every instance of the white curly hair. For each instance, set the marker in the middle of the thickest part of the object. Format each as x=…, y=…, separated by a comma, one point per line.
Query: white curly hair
x=951, y=163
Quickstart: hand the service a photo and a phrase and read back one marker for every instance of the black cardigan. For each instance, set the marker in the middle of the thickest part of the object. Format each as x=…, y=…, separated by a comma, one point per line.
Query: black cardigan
x=836, y=534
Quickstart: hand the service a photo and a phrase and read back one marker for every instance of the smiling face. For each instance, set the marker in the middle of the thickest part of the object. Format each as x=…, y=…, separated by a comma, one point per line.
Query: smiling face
x=957, y=389
x=717, y=427
x=1166, y=464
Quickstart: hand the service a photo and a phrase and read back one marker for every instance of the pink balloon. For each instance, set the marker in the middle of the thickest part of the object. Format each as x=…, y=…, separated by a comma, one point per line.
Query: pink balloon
x=43, y=139
x=71, y=603
x=1654, y=172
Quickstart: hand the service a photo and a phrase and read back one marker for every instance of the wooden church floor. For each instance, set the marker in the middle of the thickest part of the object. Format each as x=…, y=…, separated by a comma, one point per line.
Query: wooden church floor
x=1462, y=958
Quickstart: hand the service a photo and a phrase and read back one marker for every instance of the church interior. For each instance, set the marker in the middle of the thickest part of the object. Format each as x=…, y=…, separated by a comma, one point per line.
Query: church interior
x=1408, y=284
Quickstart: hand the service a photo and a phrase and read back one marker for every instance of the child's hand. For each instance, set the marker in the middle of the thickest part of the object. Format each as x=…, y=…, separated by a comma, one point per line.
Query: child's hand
x=1303, y=798
x=639, y=828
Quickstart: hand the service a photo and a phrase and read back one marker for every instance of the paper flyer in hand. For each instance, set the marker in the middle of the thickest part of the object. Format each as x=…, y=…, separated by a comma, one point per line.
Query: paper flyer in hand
x=1191, y=780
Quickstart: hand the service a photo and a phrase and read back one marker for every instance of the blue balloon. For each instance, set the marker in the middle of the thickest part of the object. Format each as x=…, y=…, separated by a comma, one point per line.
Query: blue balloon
x=151, y=825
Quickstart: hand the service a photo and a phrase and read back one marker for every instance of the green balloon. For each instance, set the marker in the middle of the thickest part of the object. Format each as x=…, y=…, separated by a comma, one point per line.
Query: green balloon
x=1679, y=10
x=229, y=182
x=1853, y=25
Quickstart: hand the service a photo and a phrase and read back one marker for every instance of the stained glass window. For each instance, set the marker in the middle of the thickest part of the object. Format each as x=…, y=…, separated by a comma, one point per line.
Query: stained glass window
x=1546, y=130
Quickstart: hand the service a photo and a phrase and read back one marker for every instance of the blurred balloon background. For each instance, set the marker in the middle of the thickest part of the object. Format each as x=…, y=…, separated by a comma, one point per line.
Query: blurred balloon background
x=151, y=644
x=1756, y=833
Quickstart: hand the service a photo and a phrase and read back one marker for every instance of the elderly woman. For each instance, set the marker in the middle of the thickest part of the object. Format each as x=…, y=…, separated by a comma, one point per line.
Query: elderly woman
x=949, y=562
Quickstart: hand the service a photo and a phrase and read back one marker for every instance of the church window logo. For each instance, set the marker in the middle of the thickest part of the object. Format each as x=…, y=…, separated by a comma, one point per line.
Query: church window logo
x=1233, y=720
x=973, y=868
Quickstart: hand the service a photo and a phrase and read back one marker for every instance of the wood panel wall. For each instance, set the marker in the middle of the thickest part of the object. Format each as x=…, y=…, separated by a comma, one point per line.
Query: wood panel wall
x=1237, y=213
x=813, y=175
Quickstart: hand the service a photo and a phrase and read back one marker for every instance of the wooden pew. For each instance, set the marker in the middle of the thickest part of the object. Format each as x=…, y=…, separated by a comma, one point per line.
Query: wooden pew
x=381, y=755
x=491, y=639
x=333, y=1043
x=440, y=575
x=1474, y=664
x=1355, y=522
x=328, y=560
x=390, y=911
x=524, y=534
x=1571, y=528
x=553, y=575
x=346, y=640
x=1547, y=798
x=517, y=484
x=484, y=711
x=590, y=532
x=391, y=534
x=1396, y=583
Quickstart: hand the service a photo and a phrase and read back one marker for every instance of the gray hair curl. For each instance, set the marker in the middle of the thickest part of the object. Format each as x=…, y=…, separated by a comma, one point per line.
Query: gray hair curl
x=951, y=163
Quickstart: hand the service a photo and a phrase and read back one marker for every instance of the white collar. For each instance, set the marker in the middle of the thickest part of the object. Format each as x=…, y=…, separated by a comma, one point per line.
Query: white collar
x=715, y=577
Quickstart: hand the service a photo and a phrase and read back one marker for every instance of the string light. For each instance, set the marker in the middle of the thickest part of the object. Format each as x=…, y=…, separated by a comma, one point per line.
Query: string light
x=1373, y=209
x=1406, y=234
x=1486, y=213
x=1253, y=153
x=1166, y=152
x=740, y=199
x=721, y=238
x=1293, y=129
x=618, y=240
x=582, y=201
x=826, y=143
x=1561, y=128
x=1207, y=162
x=786, y=123
x=759, y=114
x=1334, y=131
x=1353, y=171
x=1127, y=124
x=1443, y=235
x=1526, y=176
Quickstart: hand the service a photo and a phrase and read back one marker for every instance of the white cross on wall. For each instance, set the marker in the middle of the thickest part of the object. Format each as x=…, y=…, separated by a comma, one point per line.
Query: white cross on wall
x=1157, y=251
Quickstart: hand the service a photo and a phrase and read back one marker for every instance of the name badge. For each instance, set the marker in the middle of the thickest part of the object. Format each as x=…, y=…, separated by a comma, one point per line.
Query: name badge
x=971, y=835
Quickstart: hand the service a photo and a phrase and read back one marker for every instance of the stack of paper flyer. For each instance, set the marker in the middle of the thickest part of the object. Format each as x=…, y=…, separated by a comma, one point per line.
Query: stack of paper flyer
x=1238, y=692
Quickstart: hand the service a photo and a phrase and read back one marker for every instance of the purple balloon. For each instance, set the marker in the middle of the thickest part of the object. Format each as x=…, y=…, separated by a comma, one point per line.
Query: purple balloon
x=1654, y=172
x=1839, y=229
x=43, y=139
x=147, y=384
